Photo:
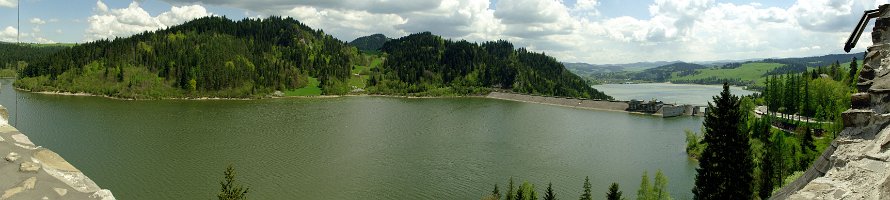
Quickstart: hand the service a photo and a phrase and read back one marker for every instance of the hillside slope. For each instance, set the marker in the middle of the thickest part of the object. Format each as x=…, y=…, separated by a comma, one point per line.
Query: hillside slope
x=210, y=56
x=425, y=63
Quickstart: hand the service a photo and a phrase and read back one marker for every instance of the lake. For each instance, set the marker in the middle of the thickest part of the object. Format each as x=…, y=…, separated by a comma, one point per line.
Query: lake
x=353, y=147
x=667, y=92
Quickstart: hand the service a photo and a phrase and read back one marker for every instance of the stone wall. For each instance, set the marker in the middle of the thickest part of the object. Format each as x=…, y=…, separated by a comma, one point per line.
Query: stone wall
x=673, y=111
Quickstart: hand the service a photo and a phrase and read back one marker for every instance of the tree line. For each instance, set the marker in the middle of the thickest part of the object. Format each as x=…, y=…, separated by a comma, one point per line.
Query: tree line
x=526, y=190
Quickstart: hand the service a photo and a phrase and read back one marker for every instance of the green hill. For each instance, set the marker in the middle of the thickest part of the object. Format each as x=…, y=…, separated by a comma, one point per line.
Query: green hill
x=369, y=43
x=210, y=56
x=428, y=64
x=250, y=58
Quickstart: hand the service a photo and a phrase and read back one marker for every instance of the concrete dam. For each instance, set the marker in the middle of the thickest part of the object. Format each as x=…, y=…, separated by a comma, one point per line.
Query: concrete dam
x=655, y=108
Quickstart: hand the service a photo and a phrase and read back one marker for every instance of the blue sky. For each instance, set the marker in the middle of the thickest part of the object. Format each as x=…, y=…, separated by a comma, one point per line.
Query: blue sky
x=592, y=31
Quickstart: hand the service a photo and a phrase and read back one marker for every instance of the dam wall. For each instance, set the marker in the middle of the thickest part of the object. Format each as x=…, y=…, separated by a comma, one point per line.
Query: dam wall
x=29, y=171
x=665, y=110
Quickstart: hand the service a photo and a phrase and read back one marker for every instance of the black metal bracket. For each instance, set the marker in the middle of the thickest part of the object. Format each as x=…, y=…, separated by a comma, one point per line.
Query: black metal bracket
x=859, y=28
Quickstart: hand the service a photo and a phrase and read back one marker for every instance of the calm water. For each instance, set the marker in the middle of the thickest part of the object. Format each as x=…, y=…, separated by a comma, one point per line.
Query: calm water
x=353, y=147
x=669, y=93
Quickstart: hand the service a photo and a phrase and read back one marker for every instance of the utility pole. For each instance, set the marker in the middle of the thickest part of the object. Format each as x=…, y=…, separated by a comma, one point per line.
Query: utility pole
x=18, y=39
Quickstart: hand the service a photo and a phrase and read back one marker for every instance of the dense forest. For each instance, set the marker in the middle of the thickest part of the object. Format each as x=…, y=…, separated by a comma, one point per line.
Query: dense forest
x=19, y=55
x=426, y=63
x=218, y=57
x=801, y=118
x=210, y=56
x=370, y=43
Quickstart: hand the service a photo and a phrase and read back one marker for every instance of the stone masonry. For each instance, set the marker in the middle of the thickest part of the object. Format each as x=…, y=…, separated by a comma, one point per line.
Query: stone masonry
x=28, y=171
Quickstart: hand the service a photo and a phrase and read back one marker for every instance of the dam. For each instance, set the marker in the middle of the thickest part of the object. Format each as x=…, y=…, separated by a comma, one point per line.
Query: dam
x=652, y=107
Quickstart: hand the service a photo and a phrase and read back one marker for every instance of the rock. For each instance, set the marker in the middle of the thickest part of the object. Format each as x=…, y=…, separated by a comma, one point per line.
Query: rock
x=12, y=156
x=856, y=117
x=29, y=167
x=103, y=194
x=24, y=185
x=860, y=100
x=61, y=191
x=22, y=138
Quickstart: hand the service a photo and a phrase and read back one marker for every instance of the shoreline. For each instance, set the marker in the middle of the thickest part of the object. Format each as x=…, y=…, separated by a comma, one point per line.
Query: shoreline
x=84, y=94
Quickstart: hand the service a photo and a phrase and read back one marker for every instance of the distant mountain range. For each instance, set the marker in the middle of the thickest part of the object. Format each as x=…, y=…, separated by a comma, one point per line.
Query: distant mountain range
x=749, y=72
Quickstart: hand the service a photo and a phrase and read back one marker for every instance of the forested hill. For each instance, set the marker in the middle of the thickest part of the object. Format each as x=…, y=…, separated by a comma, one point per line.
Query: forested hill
x=12, y=52
x=218, y=57
x=425, y=61
x=370, y=43
x=210, y=56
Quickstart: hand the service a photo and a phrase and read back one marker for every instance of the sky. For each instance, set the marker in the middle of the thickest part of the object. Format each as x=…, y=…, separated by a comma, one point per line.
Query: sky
x=591, y=31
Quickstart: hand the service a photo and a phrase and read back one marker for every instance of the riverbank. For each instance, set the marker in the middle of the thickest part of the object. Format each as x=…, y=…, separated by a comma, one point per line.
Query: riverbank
x=61, y=93
x=34, y=172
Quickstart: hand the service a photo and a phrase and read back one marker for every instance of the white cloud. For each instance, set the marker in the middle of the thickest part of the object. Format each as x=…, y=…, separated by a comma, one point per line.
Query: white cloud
x=8, y=34
x=110, y=23
x=43, y=40
x=101, y=7
x=37, y=21
x=8, y=3
x=690, y=30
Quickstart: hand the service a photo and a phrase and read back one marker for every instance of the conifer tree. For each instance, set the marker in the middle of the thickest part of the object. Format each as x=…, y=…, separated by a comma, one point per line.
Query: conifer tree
x=230, y=190
x=725, y=166
x=659, y=190
x=767, y=171
x=496, y=193
x=614, y=193
x=586, y=195
x=510, y=194
x=548, y=195
x=853, y=69
x=645, y=191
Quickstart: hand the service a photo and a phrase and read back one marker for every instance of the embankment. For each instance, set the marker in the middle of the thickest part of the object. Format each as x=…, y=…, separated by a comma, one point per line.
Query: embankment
x=620, y=106
x=28, y=171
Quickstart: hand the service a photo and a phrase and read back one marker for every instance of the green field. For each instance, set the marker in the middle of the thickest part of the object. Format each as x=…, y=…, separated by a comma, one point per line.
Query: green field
x=310, y=90
x=359, y=81
x=748, y=71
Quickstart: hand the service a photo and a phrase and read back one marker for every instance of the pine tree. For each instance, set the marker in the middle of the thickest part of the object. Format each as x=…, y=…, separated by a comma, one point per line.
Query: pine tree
x=586, y=195
x=548, y=195
x=725, y=166
x=230, y=189
x=614, y=193
x=645, y=191
x=853, y=69
x=120, y=74
x=767, y=171
x=806, y=144
x=495, y=193
x=659, y=190
x=510, y=192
